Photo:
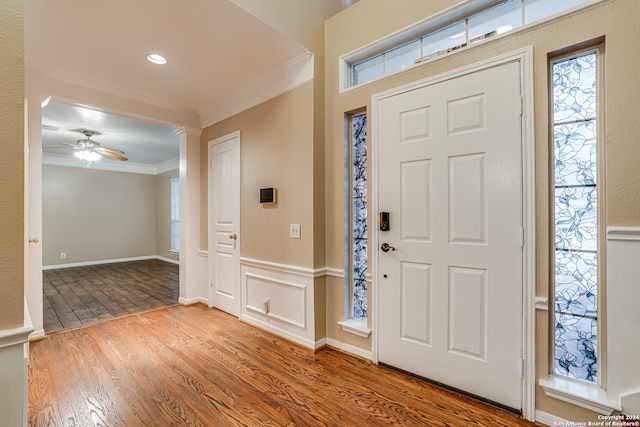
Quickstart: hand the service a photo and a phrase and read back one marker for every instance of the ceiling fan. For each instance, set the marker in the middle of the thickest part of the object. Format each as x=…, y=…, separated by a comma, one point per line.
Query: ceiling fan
x=90, y=150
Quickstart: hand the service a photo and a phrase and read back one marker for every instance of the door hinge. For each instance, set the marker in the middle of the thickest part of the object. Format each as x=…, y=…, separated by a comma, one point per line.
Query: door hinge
x=521, y=367
x=522, y=235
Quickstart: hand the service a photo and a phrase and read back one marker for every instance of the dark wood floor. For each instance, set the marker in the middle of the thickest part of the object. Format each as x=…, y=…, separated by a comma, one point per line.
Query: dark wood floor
x=80, y=295
x=196, y=366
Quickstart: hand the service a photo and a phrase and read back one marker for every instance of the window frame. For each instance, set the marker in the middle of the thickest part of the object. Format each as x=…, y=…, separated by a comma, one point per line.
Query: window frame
x=596, y=49
x=583, y=393
x=174, y=215
x=433, y=24
x=352, y=324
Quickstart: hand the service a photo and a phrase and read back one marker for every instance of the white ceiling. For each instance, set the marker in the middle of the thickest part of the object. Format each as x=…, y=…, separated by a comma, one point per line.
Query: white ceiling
x=216, y=53
x=144, y=142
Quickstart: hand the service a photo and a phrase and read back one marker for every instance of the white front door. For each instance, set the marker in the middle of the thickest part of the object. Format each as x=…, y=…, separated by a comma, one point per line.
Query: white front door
x=450, y=175
x=224, y=223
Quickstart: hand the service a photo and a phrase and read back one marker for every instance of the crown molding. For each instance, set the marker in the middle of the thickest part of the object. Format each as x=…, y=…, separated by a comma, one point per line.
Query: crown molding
x=126, y=167
x=124, y=93
x=288, y=76
x=69, y=88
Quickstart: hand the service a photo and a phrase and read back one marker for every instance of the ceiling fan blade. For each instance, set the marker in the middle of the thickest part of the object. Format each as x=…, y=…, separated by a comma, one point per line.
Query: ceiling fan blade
x=113, y=150
x=110, y=154
x=74, y=146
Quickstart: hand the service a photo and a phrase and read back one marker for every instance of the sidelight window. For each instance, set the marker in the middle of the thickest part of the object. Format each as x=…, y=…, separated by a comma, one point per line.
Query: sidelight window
x=358, y=215
x=577, y=266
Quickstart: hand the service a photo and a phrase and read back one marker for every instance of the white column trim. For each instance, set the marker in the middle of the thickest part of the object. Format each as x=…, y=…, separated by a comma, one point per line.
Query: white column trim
x=189, y=166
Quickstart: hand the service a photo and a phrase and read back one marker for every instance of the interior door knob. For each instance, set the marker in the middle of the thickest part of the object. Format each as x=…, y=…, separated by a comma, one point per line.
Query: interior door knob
x=385, y=247
x=233, y=236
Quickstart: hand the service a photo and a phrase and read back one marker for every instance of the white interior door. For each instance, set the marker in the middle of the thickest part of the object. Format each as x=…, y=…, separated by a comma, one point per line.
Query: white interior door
x=224, y=223
x=450, y=175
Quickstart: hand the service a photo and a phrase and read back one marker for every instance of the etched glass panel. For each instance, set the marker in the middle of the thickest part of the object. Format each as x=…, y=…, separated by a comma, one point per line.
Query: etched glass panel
x=575, y=153
x=576, y=283
x=575, y=217
x=359, y=214
x=576, y=346
x=574, y=90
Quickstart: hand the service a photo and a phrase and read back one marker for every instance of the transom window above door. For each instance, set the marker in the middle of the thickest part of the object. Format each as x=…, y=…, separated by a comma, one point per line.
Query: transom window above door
x=442, y=34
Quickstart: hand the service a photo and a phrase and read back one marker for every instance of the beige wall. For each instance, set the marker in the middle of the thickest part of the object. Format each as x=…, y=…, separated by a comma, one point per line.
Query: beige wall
x=276, y=148
x=370, y=20
x=12, y=169
x=95, y=215
x=308, y=29
x=163, y=214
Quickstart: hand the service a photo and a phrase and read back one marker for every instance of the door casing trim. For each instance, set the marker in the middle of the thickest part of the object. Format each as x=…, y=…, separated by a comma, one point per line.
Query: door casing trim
x=210, y=235
x=524, y=57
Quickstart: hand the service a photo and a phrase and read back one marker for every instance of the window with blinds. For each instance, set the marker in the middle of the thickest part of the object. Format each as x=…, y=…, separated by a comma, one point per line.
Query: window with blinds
x=175, y=215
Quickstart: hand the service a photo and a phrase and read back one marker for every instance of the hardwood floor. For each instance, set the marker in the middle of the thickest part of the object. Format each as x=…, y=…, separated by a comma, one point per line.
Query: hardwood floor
x=80, y=295
x=196, y=366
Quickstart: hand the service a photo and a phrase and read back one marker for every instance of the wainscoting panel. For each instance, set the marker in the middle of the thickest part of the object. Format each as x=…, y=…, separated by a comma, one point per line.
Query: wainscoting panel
x=14, y=358
x=279, y=298
x=623, y=317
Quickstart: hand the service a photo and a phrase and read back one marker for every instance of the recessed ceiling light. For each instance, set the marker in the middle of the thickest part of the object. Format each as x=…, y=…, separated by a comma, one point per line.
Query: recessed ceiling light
x=156, y=59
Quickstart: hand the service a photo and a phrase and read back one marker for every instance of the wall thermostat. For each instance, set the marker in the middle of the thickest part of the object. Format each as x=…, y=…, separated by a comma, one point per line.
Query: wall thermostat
x=268, y=195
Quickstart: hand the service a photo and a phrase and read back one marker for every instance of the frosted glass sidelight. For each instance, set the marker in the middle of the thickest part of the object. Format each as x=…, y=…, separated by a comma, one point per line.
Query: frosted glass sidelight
x=575, y=217
x=359, y=215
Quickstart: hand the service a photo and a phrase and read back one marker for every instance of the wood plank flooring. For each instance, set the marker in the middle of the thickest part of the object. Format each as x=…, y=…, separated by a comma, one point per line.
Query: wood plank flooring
x=196, y=366
x=80, y=295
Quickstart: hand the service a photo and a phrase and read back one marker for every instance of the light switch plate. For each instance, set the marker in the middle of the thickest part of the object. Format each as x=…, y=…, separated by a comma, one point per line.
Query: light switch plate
x=294, y=231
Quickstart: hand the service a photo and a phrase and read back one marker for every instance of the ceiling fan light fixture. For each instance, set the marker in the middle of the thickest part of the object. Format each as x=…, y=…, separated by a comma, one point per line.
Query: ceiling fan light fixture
x=156, y=59
x=89, y=156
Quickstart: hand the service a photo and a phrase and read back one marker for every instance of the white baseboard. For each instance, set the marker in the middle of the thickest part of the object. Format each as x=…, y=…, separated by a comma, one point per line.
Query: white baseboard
x=35, y=335
x=550, y=420
x=357, y=351
x=106, y=261
x=280, y=332
x=320, y=343
x=191, y=301
x=165, y=259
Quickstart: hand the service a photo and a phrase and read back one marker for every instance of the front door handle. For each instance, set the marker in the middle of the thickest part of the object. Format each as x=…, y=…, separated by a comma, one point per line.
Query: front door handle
x=385, y=247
